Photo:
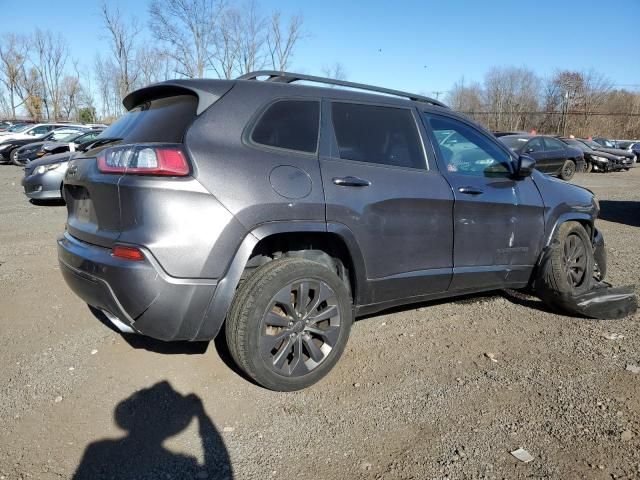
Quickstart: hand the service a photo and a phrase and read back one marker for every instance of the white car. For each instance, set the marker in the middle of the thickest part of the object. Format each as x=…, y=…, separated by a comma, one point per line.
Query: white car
x=33, y=131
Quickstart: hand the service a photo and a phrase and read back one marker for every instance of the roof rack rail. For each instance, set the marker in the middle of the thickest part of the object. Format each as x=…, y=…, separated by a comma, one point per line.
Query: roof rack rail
x=288, y=77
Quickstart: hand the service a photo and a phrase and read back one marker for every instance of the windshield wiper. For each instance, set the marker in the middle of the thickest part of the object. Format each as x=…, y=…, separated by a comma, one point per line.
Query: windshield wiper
x=99, y=142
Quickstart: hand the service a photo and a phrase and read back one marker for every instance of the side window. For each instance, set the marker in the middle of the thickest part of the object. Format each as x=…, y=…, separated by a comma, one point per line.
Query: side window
x=535, y=145
x=553, y=144
x=375, y=134
x=289, y=124
x=465, y=150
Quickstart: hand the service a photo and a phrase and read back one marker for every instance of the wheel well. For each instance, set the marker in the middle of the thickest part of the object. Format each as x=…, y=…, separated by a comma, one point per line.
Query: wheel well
x=325, y=248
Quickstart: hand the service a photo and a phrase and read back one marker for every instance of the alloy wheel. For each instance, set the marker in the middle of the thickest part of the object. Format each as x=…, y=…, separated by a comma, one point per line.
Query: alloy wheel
x=300, y=328
x=568, y=169
x=575, y=260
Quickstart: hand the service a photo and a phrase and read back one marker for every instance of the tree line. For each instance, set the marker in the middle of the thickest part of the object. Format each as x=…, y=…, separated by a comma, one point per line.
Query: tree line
x=580, y=103
x=191, y=39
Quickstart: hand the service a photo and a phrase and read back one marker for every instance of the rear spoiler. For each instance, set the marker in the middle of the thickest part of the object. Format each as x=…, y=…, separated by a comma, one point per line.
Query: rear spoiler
x=207, y=91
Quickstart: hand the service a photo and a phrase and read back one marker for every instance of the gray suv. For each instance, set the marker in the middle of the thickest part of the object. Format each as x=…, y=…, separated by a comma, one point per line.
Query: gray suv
x=278, y=212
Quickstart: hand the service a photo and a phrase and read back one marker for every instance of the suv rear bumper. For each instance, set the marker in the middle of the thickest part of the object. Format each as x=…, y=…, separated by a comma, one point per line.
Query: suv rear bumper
x=138, y=293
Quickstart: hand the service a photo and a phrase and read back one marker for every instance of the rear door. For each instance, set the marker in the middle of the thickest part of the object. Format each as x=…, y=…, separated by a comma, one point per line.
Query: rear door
x=556, y=152
x=379, y=183
x=498, y=220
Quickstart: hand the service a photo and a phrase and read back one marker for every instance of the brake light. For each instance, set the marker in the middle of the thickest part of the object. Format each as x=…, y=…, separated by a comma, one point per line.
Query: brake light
x=127, y=253
x=144, y=159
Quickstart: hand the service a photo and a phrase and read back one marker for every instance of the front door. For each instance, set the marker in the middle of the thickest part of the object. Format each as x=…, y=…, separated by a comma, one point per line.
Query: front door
x=535, y=148
x=379, y=184
x=498, y=220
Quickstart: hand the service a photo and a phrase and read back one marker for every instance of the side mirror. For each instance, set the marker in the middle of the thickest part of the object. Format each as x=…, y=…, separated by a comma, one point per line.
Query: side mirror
x=526, y=165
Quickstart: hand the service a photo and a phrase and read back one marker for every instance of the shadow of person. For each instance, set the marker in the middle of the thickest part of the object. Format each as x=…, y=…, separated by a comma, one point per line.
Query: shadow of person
x=150, y=417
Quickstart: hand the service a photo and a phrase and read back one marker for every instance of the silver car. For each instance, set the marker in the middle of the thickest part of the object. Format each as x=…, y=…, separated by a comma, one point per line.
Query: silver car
x=43, y=178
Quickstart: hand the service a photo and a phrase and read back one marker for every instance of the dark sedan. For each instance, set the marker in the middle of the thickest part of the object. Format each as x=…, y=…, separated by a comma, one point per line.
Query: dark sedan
x=551, y=155
x=597, y=161
x=626, y=157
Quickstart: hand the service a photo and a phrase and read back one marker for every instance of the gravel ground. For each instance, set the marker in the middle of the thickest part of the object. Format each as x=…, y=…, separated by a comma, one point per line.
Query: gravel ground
x=441, y=390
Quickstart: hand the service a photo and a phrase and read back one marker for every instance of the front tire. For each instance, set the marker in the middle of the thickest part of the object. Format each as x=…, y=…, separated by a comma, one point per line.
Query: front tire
x=289, y=323
x=569, y=266
x=13, y=156
x=588, y=168
x=568, y=170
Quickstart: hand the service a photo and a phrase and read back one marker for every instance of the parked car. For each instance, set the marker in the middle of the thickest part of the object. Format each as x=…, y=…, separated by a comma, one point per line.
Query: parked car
x=70, y=143
x=626, y=158
x=222, y=205
x=38, y=130
x=43, y=177
x=596, y=160
x=18, y=151
x=551, y=155
x=631, y=146
x=605, y=142
x=502, y=134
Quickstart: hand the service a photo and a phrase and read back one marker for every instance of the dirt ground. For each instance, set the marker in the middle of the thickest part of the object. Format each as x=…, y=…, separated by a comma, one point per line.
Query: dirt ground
x=415, y=395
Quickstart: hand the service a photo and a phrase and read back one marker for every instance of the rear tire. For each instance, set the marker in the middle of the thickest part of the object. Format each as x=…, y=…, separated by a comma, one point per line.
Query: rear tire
x=569, y=266
x=568, y=170
x=289, y=323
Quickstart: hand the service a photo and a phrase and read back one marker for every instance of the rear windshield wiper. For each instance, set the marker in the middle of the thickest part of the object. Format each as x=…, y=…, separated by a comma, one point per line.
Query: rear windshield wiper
x=99, y=142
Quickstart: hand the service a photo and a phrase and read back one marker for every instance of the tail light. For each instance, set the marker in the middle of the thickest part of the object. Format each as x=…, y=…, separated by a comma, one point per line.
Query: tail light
x=144, y=159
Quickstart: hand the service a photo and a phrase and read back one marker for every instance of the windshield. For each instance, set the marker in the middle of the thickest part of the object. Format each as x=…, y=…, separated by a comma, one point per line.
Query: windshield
x=591, y=143
x=624, y=145
x=18, y=128
x=69, y=137
x=514, y=143
x=576, y=143
x=163, y=119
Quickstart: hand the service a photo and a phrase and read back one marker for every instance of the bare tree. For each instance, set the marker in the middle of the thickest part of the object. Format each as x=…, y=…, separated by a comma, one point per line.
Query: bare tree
x=226, y=52
x=466, y=98
x=282, y=39
x=251, y=37
x=50, y=55
x=107, y=76
x=122, y=36
x=13, y=56
x=188, y=29
x=509, y=94
x=155, y=65
x=335, y=71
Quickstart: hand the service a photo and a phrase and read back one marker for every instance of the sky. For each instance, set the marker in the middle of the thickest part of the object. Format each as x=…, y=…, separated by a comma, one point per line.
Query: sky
x=419, y=46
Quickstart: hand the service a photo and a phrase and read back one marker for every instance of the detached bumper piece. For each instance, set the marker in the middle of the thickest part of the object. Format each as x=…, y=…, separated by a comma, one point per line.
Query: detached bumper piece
x=601, y=302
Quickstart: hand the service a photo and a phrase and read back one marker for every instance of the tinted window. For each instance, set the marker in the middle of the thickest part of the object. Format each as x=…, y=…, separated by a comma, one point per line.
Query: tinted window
x=553, y=144
x=161, y=120
x=473, y=153
x=290, y=124
x=534, y=146
x=374, y=134
x=514, y=143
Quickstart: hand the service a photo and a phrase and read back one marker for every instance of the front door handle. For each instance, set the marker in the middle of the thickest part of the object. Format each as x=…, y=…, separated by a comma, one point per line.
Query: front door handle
x=470, y=190
x=351, y=182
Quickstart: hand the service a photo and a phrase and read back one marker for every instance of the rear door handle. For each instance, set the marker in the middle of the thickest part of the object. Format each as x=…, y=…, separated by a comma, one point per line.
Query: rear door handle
x=470, y=190
x=351, y=182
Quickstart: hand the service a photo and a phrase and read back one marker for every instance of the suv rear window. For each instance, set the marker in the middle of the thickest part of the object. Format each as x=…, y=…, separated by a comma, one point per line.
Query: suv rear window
x=375, y=134
x=161, y=120
x=289, y=124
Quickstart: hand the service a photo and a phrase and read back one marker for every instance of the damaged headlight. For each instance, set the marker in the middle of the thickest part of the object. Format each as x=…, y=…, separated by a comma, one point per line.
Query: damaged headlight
x=46, y=168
